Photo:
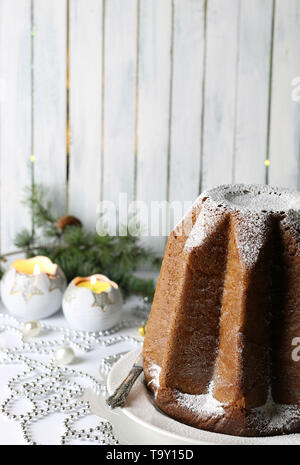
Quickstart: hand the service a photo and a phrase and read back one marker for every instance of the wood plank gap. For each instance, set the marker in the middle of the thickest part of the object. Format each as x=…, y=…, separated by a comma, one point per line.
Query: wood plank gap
x=236, y=90
x=32, y=149
x=137, y=78
x=270, y=92
x=170, y=114
x=170, y=99
x=102, y=102
x=203, y=86
x=68, y=134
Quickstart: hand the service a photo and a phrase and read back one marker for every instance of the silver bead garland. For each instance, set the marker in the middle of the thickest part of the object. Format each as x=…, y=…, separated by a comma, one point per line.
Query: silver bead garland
x=49, y=388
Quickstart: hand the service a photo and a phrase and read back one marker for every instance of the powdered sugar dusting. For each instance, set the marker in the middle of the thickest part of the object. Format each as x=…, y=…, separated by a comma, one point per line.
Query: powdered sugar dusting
x=270, y=418
x=201, y=404
x=206, y=223
x=254, y=198
x=250, y=208
x=275, y=417
x=198, y=404
x=251, y=235
x=154, y=371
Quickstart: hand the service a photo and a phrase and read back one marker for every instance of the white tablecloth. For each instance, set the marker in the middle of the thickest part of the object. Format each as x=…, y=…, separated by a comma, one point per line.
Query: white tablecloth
x=49, y=429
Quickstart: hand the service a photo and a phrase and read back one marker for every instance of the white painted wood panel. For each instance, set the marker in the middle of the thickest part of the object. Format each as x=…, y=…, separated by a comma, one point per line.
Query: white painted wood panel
x=220, y=92
x=139, y=123
x=153, y=95
x=285, y=113
x=186, y=99
x=50, y=40
x=252, y=91
x=120, y=102
x=85, y=109
x=15, y=131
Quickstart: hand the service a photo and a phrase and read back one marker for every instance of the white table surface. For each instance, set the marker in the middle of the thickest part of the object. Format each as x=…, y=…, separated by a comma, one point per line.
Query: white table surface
x=49, y=429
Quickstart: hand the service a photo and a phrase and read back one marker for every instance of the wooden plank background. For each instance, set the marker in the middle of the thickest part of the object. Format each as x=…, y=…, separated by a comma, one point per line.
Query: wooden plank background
x=158, y=100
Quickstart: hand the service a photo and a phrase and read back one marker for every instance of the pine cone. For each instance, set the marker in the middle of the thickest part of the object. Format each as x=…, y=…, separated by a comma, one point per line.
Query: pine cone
x=67, y=220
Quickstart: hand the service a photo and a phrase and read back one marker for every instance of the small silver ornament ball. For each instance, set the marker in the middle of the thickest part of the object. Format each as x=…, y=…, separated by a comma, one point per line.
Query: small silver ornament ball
x=31, y=328
x=64, y=355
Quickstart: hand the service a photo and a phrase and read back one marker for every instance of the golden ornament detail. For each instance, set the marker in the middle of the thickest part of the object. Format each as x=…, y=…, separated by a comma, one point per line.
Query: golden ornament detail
x=143, y=329
x=67, y=220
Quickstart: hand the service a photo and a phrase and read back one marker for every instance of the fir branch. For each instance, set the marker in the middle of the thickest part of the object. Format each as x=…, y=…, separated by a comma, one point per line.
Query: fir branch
x=81, y=253
x=40, y=209
x=1, y=271
x=24, y=239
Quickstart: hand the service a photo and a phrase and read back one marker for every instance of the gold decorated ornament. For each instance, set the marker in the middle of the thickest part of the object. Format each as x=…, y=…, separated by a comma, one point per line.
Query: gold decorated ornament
x=92, y=303
x=143, y=329
x=33, y=288
x=67, y=220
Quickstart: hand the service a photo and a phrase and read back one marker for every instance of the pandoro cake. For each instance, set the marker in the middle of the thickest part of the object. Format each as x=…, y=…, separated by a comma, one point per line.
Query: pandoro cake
x=221, y=333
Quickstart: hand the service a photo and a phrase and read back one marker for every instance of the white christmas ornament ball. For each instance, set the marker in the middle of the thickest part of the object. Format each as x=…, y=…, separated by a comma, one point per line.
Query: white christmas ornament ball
x=64, y=355
x=31, y=328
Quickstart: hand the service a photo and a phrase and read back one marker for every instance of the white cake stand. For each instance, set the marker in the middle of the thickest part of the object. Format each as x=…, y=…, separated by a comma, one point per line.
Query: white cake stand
x=141, y=423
